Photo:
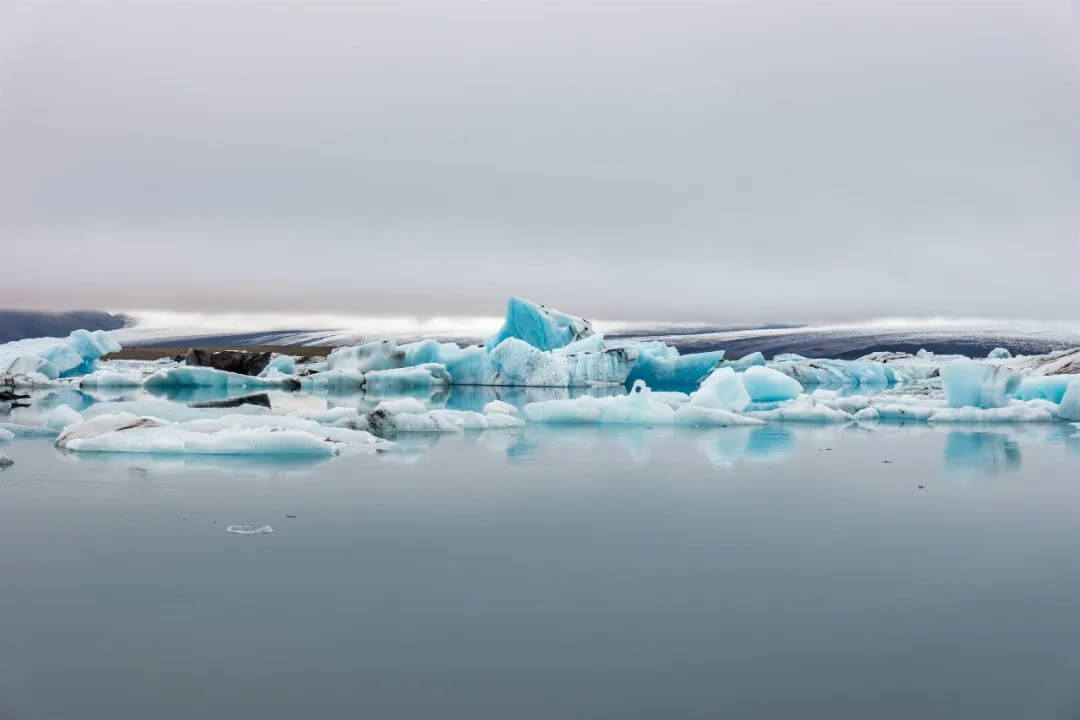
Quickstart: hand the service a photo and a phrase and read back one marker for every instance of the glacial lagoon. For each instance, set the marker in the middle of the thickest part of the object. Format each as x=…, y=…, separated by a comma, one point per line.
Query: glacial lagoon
x=785, y=570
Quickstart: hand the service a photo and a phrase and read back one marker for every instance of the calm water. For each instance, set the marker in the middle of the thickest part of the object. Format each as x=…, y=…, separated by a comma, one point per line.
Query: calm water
x=551, y=573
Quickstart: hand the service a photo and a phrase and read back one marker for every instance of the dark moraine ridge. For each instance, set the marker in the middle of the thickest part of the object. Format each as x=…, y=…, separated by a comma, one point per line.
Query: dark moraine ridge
x=19, y=324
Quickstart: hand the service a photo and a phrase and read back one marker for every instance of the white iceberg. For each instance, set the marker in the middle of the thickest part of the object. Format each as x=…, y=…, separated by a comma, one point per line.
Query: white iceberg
x=226, y=435
x=54, y=358
x=111, y=379
x=639, y=407
x=722, y=389
x=498, y=407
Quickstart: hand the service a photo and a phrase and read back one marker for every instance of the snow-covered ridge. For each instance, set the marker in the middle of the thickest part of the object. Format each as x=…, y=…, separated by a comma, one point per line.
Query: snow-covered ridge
x=536, y=346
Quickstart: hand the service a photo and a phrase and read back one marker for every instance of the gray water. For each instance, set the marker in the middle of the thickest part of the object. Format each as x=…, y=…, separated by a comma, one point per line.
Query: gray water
x=772, y=572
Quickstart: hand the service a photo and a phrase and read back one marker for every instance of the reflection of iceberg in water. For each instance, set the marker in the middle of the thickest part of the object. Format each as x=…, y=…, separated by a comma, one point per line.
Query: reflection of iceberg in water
x=171, y=464
x=726, y=446
x=981, y=452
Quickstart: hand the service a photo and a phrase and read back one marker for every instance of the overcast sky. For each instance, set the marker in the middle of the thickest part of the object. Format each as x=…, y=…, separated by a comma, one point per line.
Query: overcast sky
x=729, y=162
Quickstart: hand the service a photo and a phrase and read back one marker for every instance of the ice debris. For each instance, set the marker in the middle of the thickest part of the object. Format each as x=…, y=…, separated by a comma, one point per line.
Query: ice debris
x=249, y=530
x=5, y=461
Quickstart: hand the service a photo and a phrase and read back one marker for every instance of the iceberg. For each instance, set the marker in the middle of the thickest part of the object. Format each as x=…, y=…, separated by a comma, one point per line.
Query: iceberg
x=722, y=389
x=498, y=407
x=802, y=409
x=1019, y=413
x=5, y=461
x=284, y=364
x=226, y=435
x=389, y=418
x=207, y=377
x=639, y=407
x=821, y=371
x=539, y=326
x=111, y=379
x=969, y=383
x=54, y=358
x=766, y=384
x=1069, y=407
x=6, y=435
x=999, y=353
x=746, y=361
x=660, y=365
x=1045, y=387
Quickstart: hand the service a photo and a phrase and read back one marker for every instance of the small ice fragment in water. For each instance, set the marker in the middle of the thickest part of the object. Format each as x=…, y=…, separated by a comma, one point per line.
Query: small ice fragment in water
x=249, y=530
x=5, y=461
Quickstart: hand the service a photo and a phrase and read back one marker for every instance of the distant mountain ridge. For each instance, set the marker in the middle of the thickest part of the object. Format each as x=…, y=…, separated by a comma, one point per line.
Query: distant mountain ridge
x=19, y=324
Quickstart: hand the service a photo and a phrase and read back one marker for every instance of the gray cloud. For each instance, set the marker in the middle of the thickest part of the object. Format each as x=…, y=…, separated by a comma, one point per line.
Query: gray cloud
x=728, y=162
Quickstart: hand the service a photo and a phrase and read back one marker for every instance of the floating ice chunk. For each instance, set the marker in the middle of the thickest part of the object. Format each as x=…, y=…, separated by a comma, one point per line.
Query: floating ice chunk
x=660, y=365
x=284, y=364
x=701, y=415
x=1069, y=408
x=969, y=383
x=846, y=403
x=802, y=409
x=822, y=371
x=103, y=425
x=539, y=326
x=592, y=343
x=61, y=416
x=6, y=435
x=636, y=408
x=169, y=440
x=381, y=355
x=724, y=390
x=499, y=407
x=765, y=384
x=198, y=376
x=746, y=361
x=897, y=412
x=1045, y=387
x=56, y=357
x=5, y=461
x=999, y=353
x=1018, y=413
x=249, y=530
x=418, y=376
x=401, y=405
x=111, y=379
